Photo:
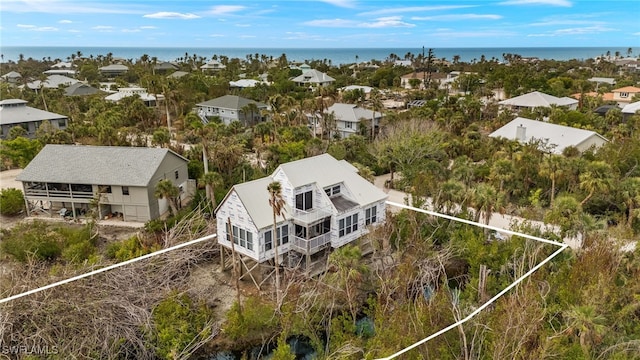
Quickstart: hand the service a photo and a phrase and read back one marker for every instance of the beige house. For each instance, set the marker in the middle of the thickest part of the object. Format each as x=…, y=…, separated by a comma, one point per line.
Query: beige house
x=64, y=180
x=229, y=108
x=624, y=95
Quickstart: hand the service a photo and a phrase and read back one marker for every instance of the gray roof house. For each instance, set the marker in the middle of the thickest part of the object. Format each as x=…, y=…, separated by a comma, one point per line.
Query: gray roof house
x=231, y=108
x=349, y=116
x=164, y=66
x=11, y=77
x=69, y=177
x=631, y=109
x=213, y=65
x=15, y=112
x=552, y=137
x=52, y=82
x=327, y=205
x=113, y=70
x=313, y=77
x=537, y=99
x=81, y=89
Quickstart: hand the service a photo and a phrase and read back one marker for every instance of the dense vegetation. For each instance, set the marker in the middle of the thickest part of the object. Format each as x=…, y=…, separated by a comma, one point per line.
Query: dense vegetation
x=424, y=274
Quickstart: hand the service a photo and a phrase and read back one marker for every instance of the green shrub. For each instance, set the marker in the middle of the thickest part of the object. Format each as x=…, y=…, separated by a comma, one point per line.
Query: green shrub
x=129, y=249
x=49, y=242
x=178, y=322
x=11, y=202
x=255, y=320
x=33, y=239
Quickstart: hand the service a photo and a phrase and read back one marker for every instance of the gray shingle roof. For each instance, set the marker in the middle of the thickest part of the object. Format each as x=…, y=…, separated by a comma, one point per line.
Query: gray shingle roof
x=78, y=89
x=22, y=113
x=231, y=102
x=96, y=165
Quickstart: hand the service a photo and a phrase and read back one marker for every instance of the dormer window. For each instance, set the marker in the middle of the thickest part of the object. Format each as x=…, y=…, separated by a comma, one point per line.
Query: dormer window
x=304, y=201
x=333, y=190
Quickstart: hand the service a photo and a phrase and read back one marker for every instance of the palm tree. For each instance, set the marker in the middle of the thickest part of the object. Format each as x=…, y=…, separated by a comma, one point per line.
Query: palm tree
x=350, y=272
x=587, y=323
x=165, y=189
x=376, y=103
x=277, y=205
x=211, y=181
x=631, y=195
x=597, y=177
x=552, y=167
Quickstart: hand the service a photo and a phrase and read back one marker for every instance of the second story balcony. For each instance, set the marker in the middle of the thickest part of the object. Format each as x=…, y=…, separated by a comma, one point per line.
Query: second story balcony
x=310, y=246
x=311, y=216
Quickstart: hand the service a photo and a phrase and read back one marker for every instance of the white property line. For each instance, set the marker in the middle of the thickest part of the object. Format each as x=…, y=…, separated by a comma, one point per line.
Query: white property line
x=110, y=267
x=493, y=299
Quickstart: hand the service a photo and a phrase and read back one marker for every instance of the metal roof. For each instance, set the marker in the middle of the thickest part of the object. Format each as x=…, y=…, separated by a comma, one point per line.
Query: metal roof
x=631, y=108
x=553, y=134
x=231, y=102
x=96, y=165
x=22, y=113
x=351, y=112
x=80, y=89
x=538, y=99
x=322, y=170
x=313, y=76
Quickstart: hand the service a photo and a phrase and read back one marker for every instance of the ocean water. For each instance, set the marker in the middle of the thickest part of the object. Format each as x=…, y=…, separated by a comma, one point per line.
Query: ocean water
x=337, y=56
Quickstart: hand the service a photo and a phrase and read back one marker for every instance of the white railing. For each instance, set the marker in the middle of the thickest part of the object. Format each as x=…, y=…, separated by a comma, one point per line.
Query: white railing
x=310, y=216
x=310, y=246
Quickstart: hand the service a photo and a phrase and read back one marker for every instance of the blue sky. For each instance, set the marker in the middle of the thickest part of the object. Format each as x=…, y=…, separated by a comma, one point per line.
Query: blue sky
x=320, y=24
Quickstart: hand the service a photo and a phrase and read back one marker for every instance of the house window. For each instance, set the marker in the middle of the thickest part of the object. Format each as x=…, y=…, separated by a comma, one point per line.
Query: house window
x=241, y=237
x=624, y=94
x=105, y=189
x=282, y=235
x=347, y=225
x=333, y=190
x=125, y=190
x=370, y=215
x=303, y=201
x=177, y=174
x=62, y=123
x=348, y=124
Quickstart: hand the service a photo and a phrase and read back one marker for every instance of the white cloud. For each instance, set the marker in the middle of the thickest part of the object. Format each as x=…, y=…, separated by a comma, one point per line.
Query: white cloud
x=562, y=3
x=414, y=9
x=226, y=9
x=247, y=36
x=476, y=34
x=171, y=15
x=102, y=27
x=45, y=28
x=574, y=31
x=341, y=3
x=216, y=35
x=458, y=17
x=65, y=22
x=243, y=25
x=131, y=30
x=24, y=26
x=148, y=27
x=66, y=7
x=391, y=21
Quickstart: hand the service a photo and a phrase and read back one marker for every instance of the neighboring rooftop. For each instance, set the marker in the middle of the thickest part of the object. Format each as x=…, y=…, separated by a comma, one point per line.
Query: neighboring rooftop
x=230, y=102
x=15, y=111
x=538, y=99
x=526, y=130
x=350, y=112
x=107, y=165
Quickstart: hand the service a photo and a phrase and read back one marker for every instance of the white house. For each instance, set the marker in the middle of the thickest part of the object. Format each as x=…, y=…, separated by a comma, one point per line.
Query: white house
x=113, y=70
x=349, y=116
x=552, y=137
x=537, y=99
x=327, y=206
x=314, y=78
x=213, y=65
x=148, y=99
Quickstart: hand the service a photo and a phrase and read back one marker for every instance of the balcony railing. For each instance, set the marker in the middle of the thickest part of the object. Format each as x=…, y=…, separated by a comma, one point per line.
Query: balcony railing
x=59, y=194
x=310, y=216
x=310, y=246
